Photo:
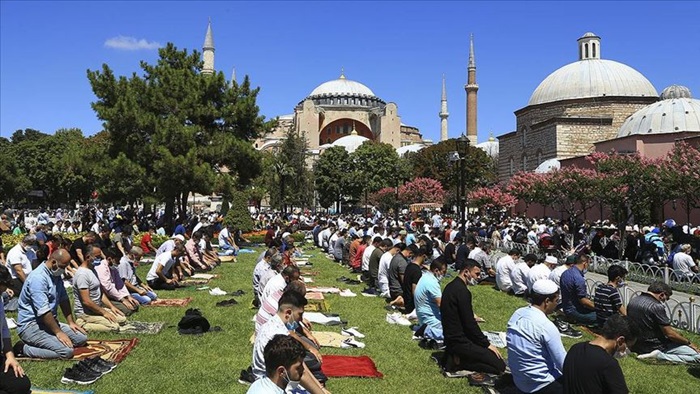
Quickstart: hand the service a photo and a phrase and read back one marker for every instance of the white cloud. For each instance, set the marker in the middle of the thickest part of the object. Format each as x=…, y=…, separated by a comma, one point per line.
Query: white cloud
x=125, y=43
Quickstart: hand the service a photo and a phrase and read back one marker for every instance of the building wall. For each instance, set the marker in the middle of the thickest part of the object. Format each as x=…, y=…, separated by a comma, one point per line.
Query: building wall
x=390, y=126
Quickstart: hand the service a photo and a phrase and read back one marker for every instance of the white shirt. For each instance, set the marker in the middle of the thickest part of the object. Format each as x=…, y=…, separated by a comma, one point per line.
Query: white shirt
x=383, y=274
x=437, y=220
x=683, y=264
x=537, y=272
x=223, y=237
x=164, y=259
x=16, y=256
x=277, y=283
x=503, y=268
x=555, y=275
x=518, y=276
x=264, y=386
x=273, y=327
x=365, y=257
x=323, y=238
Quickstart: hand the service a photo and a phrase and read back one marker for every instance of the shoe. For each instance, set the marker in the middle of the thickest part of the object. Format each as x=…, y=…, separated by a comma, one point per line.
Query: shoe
x=370, y=292
x=96, y=366
x=351, y=343
x=238, y=293
x=80, y=375
x=246, y=377
x=347, y=293
x=105, y=363
x=11, y=323
x=390, y=308
x=217, y=292
x=227, y=302
x=652, y=354
x=18, y=349
x=397, y=318
x=352, y=332
x=566, y=330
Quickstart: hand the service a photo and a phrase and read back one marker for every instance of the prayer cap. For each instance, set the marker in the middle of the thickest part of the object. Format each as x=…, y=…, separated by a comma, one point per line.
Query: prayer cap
x=545, y=287
x=551, y=260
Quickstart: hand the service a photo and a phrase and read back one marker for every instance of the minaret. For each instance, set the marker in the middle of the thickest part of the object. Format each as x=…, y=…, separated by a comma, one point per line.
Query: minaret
x=233, y=77
x=471, y=88
x=443, y=112
x=208, y=51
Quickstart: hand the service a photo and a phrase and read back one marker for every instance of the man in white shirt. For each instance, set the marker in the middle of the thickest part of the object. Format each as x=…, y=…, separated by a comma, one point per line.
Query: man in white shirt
x=504, y=266
x=19, y=262
x=165, y=271
x=284, y=366
x=383, y=275
x=367, y=253
x=541, y=271
x=518, y=276
x=683, y=263
x=555, y=275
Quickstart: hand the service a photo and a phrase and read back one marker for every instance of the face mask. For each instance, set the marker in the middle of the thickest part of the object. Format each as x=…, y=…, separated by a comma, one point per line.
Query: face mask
x=621, y=284
x=96, y=262
x=57, y=272
x=439, y=277
x=472, y=282
x=585, y=270
x=292, y=385
x=292, y=326
x=621, y=354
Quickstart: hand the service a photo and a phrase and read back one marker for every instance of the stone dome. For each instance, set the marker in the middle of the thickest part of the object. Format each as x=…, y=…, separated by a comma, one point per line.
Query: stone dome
x=592, y=76
x=675, y=91
x=490, y=147
x=342, y=87
x=672, y=115
x=548, y=166
x=409, y=148
x=350, y=142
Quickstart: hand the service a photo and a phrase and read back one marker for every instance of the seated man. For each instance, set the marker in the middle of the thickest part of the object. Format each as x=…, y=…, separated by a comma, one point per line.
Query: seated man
x=227, y=246
x=165, y=273
x=289, y=314
x=276, y=266
x=41, y=334
x=535, y=351
x=113, y=285
x=376, y=251
x=77, y=250
x=466, y=347
x=413, y=273
x=607, y=299
x=577, y=306
x=541, y=271
x=262, y=267
x=284, y=366
x=391, y=250
x=504, y=266
x=428, y=297
x=137, y=289
x=683, y=264
x=397, y=269
x=19, y=262
x=591, y=368
x=657, y=339
x=518, y=276
x=194, y=254
x=12, y=377
x=272, y=292
x=93, y=310
x=270, y=303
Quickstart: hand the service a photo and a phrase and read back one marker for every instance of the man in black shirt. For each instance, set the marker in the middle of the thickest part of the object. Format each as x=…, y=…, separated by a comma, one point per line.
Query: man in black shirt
x=451, y=250
x=77, y=250
x=466, y=347
x=462, y=252
x=411, y=277
x=590, y=368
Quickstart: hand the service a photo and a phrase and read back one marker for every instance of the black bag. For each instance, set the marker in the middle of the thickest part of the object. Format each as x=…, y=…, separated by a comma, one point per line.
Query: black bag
x=193, y=323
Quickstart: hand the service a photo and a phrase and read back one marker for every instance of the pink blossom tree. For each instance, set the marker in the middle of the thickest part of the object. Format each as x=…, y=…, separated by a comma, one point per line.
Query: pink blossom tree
x=422, y=190
x=683, y=176
x=574, y=190
x=531, y=187
x=384, y=198
x=492, y=198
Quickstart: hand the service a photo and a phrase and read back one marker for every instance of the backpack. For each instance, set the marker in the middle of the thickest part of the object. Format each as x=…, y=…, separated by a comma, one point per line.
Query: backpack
x=193, y=323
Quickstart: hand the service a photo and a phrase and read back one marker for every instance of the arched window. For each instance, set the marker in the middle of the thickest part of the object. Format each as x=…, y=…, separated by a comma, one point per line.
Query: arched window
x=594, y=50
x=328, y=141
x=523, y=136
x=586, y=45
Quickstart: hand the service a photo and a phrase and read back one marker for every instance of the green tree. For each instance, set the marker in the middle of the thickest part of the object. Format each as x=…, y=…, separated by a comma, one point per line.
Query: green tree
x=375, y=165
x=238, y=216
x=332, y=172
x=291, y=183
x=183, y=128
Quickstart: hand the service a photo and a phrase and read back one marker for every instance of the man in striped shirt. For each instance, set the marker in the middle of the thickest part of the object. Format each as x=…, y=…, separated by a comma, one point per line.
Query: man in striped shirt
x=607, y=298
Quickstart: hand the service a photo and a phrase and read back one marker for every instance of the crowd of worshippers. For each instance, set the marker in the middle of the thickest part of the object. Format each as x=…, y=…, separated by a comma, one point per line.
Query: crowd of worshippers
x=407, y=269
x=99, y=269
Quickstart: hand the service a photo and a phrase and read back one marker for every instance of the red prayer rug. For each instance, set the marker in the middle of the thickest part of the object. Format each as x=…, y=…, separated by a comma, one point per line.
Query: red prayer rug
x=170, y=302
x=349, y=366
x=112, y=350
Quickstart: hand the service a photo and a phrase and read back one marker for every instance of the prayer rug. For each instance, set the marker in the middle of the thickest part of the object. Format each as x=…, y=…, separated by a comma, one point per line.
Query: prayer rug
x=314, y=296
x=112, y=350
x=227, y=259
x=170, y=302
x=329, y=290
x=311, y=273
x=193, y=282
x=321, y=318
x=329, y=339
x=204, y=276
x=349, y=366
x=315, y=305
x=40, y=391
x=497, y=338
x=141, y=327
x=438, y=356
x=307, y=280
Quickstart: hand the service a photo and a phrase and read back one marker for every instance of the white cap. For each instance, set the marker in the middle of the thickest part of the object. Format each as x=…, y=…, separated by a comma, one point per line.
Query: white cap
x=544, y=287
x=551, y=260
x=180, y=237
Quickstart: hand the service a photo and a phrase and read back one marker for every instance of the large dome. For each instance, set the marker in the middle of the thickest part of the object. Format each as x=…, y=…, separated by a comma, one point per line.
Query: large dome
x=342, y=87
x=673, y=115
x=592, y=78
x=350, y=142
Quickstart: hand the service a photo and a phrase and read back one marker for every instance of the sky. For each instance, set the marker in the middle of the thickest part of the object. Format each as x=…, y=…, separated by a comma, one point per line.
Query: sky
x=400, y=50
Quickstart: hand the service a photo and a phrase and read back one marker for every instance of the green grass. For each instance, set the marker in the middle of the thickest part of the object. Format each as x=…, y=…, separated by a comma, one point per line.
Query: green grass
x=171, y=363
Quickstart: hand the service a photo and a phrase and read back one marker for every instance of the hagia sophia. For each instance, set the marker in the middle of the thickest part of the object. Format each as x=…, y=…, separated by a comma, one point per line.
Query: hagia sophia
x=587, y=105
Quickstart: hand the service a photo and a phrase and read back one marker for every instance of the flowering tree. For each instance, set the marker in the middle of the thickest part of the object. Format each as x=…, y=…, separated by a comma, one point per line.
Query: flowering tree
x=422, y=190
x=531, y=187
x=385, y=198
x=492, y=198
x=574, y=190
x=683, y=175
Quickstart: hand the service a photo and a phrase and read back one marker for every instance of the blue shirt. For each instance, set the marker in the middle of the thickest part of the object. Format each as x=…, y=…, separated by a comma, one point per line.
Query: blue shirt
x=179, y=229
x=41, y=293
x=427, y=291
x=535, y=352
x=410, y=239
x=573, y=288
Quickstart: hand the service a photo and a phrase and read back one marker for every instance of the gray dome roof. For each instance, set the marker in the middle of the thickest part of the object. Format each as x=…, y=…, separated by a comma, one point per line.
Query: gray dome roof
x=673, y=115
x=675, y=91
x=592, y=78
x=350, y=142
x=342, y=87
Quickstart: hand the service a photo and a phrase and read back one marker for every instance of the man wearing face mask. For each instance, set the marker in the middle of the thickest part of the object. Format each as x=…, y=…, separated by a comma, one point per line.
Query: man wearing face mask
x=41, y=334
x=535, y=351
x=289, y=314
x=575, y=301
x=428, y=297
x=19, y=262
x=591, y=368
x=113, y=285
x=284, y=365
x=607, y=298
x=466, y=346
x=657, y=339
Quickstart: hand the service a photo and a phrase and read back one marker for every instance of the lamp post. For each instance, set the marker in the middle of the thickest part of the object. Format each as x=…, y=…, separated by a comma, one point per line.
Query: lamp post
x=462, y=145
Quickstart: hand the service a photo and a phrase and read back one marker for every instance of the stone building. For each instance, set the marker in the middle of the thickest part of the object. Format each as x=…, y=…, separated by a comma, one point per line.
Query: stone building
x=579, y=104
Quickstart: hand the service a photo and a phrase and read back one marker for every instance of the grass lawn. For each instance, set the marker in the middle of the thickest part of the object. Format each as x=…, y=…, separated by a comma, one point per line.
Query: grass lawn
x=171, y=363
